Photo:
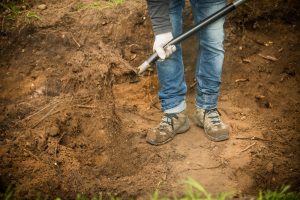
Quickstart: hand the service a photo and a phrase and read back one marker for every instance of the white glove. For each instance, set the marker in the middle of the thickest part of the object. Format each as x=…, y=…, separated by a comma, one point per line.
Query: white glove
x=160, y=41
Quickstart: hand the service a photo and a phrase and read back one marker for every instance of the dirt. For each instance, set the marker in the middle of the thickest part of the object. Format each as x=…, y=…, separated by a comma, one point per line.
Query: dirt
x=74, y=116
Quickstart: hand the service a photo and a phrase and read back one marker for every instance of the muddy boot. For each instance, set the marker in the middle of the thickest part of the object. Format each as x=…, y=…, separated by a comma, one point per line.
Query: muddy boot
x=170, y=125
x=214, y=127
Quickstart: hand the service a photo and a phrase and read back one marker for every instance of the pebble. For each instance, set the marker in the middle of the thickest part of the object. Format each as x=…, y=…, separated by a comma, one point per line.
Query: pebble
x=42, y=6
x=53, y=131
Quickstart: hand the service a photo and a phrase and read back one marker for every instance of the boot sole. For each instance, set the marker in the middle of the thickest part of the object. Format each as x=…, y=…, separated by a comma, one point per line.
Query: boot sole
x=181, y=130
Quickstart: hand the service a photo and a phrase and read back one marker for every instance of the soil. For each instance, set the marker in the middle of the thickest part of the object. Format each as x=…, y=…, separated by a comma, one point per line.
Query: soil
x=74, y=116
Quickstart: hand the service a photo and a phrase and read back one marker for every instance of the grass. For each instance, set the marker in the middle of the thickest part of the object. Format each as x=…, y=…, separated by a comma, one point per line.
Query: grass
x=193, y=191
x=99, y=4
x=14, y=10
x=281, y=194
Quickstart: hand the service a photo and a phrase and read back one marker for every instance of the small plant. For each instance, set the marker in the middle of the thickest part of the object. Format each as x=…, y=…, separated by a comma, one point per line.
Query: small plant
x=12, y=9
x=281, y=194
x=194, y=191
x=99, y=4
x=8, y=195
x=32, y=16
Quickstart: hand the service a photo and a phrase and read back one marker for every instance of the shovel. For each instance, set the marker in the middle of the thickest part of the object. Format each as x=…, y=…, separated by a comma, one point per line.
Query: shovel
x=217, y=15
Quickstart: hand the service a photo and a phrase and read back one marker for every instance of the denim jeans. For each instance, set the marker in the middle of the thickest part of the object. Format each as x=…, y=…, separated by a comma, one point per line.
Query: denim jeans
x=209, y=64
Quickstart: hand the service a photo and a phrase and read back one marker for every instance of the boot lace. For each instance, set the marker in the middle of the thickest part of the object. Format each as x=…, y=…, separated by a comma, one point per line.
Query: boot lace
x=167, y=120
x=213, y=115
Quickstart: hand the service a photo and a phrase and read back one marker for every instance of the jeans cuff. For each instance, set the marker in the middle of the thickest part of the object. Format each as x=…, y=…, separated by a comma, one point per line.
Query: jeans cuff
x=181, y=107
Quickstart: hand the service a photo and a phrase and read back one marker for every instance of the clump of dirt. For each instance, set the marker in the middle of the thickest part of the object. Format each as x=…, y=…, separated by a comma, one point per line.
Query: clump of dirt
x=74, y=115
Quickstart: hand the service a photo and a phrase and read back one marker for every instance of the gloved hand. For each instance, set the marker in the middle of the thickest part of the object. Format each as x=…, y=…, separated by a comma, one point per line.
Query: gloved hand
x=160, y=41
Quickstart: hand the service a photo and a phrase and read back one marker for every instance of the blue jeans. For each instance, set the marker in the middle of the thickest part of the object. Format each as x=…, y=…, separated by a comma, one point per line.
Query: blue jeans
x=210, y=58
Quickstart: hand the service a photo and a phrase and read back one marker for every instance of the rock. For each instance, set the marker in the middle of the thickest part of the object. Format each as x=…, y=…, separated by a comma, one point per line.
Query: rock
x=42, y=6
x=53, y=131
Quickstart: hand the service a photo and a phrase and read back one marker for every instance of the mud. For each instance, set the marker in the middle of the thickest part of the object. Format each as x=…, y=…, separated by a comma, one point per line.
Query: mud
x=74, y=116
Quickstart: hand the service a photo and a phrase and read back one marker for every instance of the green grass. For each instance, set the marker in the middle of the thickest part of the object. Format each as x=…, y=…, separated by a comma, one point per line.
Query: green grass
x=281, y=194
x=193, y=191
x=13, y=10
x=99, y=4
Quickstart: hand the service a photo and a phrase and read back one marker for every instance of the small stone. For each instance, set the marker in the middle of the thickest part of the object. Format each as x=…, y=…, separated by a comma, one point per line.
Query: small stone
x=243, y=117
x=42, y=6
x=53, y=131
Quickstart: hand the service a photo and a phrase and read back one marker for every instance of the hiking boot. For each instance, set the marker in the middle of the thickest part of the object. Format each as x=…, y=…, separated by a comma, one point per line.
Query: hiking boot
x=214, y=127
x=170, y=125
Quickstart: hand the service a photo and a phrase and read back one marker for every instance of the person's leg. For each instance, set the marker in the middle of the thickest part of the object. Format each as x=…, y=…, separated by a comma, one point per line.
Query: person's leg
x=172, y=87
x=171, y=71
x=208, y=70
x=210, y=54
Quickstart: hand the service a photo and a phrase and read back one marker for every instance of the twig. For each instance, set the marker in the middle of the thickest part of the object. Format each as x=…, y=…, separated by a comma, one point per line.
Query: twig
x=37, y=112
x=84, y=106
x=75, y=40
x=241, y=80
x=193, y=84
x=45, y=116
x=32, y=155
x=202, y=168
x=271, y=58
x=248, y=147
x=251, y=138
x=153, y=104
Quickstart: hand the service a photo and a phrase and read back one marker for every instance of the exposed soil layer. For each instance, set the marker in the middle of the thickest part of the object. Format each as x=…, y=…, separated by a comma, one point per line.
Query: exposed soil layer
x=73, y=116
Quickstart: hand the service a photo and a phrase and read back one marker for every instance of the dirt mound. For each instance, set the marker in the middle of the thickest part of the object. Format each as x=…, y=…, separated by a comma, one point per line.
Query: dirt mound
x=74, y=115
x=60, y=133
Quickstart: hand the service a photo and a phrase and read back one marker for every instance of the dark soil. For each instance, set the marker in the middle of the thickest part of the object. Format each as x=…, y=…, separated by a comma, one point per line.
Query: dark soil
x=74, y=116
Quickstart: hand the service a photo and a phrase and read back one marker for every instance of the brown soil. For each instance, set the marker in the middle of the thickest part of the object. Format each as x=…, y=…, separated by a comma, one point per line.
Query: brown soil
x=74, y=117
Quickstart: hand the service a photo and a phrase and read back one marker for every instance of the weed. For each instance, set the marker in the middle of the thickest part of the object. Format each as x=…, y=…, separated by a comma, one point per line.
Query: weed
x=193, y=191
x=12, y=9
x=32, y=16
x=281, y=194
x=99, y=4
x=8, y=195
